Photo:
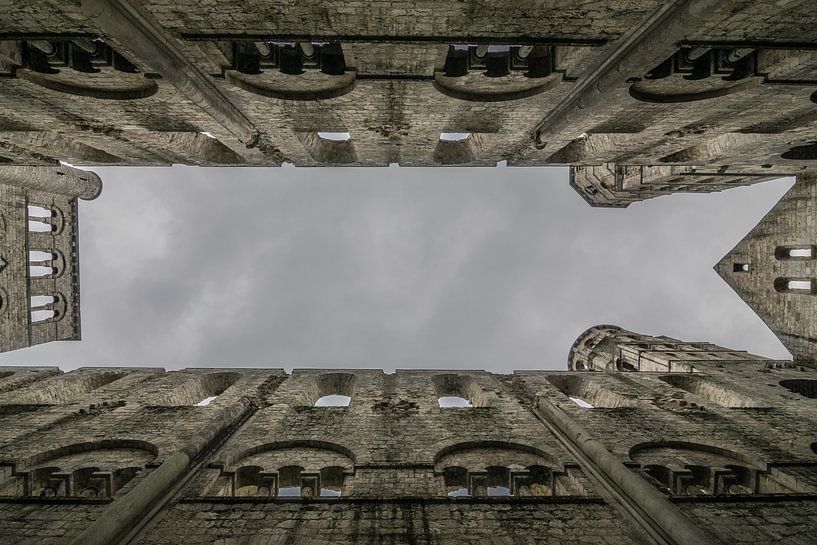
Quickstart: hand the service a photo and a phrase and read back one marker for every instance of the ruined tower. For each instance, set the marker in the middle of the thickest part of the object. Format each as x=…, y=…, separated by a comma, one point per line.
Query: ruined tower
x=39, y=253
x=774, y=269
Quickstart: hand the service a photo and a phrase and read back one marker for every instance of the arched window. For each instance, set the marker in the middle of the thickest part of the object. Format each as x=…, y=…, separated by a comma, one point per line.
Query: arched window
x=498, y=481
x=335, y=136
x=42, y=315
x=333, y=400
x=455, y=479
x=45, y=263
x=289, y=482
x=46, y=307
x=453, y=402
x=41, y=300
x=36, y=226
x=806, y=286
x=454, y=136
x=331, y=482
x=804, y=387
x=580, y=402
x=42, y=219
x=248, y=482
x=35, y=211
x=329, y=390
x=460, y=391
x=799, y=252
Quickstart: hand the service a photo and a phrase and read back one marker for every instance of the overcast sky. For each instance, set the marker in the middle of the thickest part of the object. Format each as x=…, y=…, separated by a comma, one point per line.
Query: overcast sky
x=475, y=268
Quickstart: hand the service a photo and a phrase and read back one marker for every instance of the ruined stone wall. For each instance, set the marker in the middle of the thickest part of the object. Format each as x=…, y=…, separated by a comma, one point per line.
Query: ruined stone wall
x=721, y=92
x=268, y=463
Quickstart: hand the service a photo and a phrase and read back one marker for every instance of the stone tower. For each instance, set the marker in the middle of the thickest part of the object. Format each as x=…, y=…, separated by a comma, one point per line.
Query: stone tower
x=39, y=253
x=774, y=269
x=612, y=349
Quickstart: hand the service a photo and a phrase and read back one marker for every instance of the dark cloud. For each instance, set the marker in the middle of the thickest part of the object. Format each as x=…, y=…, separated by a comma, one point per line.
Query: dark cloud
x=462, y=268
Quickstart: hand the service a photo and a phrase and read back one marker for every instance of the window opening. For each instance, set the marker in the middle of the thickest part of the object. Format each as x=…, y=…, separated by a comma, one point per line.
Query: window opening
x=35, y=211
x=804, y=251
x=41, y=300
x=795, y=285
x=39, y=256
x=454, y=136
x=449, y=402
x=42, y=315
x=740, y=267
x=333, y=400
x=39, y=227
x=289, y=491
x=580, y=402
x=335, y=136
x=40, y=270
x=329, y=493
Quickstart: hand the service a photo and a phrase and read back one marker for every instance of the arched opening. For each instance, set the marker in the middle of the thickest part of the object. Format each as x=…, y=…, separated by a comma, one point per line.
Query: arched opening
x=802, y=153
x=580, y=402
x=37, y=271
x=199, y=390
x=328, y=390
x=804, y=387
x=41, y=315
x=65, y=472
x=333, y=400
x=453, y=402
x=798, y=252
x=40, y=227
x=588, y=392
x=459, y=391
x=455, y=480
x=335, y=136
x=493, y=469
x=331, y=482
x=248, y=482
x=289, y=482
x=454, y=136
x=709, y=390
x=498, y=481
x=45, y=263
x=289, y=470
x=35, y=211
x=805, y=286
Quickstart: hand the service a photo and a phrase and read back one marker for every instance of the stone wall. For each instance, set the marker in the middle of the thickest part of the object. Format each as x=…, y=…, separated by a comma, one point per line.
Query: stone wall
x=724, y=446
x=703, y=95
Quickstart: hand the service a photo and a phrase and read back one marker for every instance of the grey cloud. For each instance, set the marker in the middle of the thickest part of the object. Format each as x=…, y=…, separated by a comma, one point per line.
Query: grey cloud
x=464, y=268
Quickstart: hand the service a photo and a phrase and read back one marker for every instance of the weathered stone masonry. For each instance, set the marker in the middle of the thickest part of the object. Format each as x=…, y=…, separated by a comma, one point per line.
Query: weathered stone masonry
x=39, y=253
x=645, y=440
x=642, y=98
x=723, y=450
